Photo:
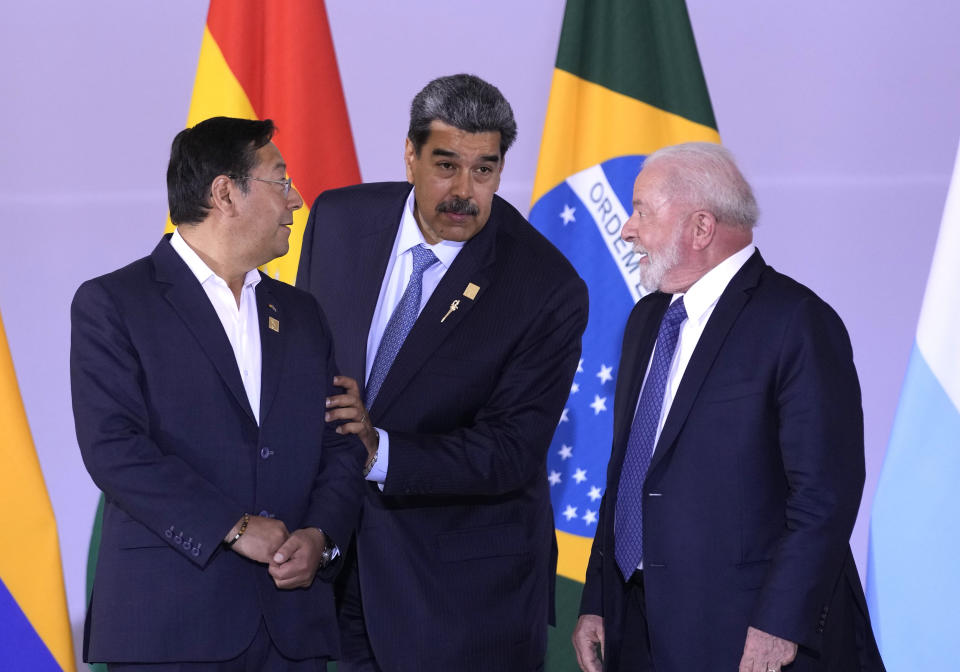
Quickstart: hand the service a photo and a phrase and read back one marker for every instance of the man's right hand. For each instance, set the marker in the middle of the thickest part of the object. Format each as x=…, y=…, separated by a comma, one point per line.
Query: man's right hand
x=261, y=539
x=586, y=637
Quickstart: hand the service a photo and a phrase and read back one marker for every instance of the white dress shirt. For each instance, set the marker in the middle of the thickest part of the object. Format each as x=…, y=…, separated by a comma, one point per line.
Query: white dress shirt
x=395, y=279
x=240, y=323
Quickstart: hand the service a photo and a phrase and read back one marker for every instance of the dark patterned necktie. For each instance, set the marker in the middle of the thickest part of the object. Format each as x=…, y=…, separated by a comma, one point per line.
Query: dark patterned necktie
x=628, y=526
x=401, y=322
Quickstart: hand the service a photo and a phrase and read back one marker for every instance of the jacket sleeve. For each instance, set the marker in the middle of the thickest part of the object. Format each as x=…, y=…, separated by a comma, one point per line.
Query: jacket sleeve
x=820, y=422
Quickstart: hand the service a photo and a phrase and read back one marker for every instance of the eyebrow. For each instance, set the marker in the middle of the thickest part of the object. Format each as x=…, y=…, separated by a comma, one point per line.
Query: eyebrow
x=489, y=158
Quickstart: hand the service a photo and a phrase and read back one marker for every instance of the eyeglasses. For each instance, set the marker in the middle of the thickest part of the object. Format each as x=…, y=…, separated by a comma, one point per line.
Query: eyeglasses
x=286, y=182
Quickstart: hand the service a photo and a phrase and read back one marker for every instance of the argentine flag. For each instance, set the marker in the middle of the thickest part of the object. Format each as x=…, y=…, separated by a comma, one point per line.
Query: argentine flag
x=913, y=572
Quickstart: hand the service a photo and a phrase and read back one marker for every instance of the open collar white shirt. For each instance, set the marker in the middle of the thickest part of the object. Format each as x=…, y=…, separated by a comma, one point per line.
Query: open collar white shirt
x=240, y=323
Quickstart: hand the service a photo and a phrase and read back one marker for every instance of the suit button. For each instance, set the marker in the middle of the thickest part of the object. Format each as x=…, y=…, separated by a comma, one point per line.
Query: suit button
x=265, y=452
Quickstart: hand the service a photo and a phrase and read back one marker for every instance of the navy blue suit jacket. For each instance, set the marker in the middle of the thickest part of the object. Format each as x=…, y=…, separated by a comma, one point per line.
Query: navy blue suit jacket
x=753, y=489
x=457, y=554
x=167, y=433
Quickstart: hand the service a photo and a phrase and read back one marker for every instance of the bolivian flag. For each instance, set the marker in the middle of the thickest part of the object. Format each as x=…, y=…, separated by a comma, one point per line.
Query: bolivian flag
x=627, y=82
x=34, y=626
x=262, y=60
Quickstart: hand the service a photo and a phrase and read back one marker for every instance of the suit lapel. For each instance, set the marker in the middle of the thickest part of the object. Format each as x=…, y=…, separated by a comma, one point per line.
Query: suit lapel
x=637, y=348
x=272, y=340
x=360, y=295
x=728, y=309
x=191, y=303
x=474, y=264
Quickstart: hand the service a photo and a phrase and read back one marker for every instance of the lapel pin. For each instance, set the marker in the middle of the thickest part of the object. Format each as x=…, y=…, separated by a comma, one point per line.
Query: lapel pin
x=471, y=291
x=274, y=324
x=272, y=307
x=453, y=306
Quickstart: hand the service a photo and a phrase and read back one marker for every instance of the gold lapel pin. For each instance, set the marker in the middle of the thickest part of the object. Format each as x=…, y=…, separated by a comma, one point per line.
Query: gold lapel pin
x=471, y=291
x=453, y=306
x=274, y=324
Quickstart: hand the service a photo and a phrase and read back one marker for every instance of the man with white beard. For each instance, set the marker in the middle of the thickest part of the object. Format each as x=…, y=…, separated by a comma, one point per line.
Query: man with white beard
x=737, y=463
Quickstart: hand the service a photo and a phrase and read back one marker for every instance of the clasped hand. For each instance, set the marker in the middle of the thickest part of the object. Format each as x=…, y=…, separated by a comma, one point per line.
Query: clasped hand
x=292, y=558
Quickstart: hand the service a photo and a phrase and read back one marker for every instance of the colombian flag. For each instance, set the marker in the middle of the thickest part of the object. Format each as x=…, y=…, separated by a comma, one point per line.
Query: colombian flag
x=627, y=82
x=262, y=60
x=34, y=627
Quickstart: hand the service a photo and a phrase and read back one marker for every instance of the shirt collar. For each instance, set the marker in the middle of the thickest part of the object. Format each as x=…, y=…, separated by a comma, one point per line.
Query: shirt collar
x=411, y=236
x=199, y=268
x=706, y=291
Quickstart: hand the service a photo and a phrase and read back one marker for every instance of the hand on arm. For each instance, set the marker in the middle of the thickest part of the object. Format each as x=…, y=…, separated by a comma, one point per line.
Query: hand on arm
x=349, y=408
x=765, y=653
x=587, y=636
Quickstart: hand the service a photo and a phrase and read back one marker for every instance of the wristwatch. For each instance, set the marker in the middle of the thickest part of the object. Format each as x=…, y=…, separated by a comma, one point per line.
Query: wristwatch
x=327, y=556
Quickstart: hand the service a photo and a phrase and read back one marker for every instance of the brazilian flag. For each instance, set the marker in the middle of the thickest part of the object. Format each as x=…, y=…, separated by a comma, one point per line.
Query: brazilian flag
x=627, y=82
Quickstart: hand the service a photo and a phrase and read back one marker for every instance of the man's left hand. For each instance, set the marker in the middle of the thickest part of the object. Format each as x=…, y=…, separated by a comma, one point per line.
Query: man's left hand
x=765, y=653
x=295, y=563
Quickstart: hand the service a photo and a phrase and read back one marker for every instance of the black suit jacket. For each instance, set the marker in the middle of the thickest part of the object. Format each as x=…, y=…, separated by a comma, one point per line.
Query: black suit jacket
x=753, y=489
x=166, y=431
x=456, y=555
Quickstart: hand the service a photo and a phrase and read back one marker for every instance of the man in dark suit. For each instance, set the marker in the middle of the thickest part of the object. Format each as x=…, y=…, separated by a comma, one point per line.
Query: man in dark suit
x=737, y=463
x=458, y=327
x=197, y=393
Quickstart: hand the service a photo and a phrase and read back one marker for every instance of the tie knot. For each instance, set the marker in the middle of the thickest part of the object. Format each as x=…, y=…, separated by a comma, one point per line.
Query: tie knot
x=675, y=314
x=422, y=259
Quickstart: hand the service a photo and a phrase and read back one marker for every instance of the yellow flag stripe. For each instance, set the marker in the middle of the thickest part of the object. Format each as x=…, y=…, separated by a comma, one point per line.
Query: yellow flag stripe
x=588, y=124
x=30, y=565
x=217, y=92
x=574, y=554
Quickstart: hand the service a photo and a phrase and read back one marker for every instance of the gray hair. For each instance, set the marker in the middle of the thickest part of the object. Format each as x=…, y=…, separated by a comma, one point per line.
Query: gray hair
x=706, y=175
x=465, y=102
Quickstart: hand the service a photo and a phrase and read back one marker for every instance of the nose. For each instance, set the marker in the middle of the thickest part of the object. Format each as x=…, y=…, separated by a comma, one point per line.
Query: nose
x=629, y=231
x=463, y=185
x=294, y=200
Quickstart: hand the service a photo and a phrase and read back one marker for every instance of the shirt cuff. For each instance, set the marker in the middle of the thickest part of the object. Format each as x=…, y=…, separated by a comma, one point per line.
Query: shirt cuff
x=378, y=472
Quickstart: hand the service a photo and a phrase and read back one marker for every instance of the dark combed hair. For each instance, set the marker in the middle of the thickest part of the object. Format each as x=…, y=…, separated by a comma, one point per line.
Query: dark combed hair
x=465, y=102
x=216, y=146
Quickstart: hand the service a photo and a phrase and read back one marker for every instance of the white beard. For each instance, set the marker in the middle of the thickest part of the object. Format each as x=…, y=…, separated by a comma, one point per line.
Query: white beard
x=658, y=264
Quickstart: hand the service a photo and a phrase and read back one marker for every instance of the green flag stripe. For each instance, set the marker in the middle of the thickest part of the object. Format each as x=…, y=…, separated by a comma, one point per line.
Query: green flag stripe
x=640, y=48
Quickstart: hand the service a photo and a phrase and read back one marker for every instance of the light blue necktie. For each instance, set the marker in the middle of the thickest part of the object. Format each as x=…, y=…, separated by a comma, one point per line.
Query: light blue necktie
x=401, y=322
x=628, y=527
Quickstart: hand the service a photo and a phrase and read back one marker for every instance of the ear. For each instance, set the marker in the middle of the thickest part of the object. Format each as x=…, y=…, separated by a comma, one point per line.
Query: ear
x=409, y=158
x=704, y=229
x=223, y=195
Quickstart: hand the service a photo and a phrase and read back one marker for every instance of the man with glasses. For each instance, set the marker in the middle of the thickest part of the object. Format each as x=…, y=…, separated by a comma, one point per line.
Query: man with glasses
x=196, y=386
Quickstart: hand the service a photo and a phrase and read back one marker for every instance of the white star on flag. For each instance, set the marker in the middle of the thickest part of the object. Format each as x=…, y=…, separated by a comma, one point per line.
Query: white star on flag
x=605, y=373
x=567, y=214
x=570, y=512
x=574, y=388
x=554, y=478
x=580, y=475
x=565, y=452
x=599, y=404
x=590, y=517
x=594, y=494
x=565, y=416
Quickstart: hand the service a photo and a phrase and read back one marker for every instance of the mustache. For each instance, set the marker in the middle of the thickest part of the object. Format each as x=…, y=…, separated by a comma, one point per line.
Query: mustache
x=458, y=206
